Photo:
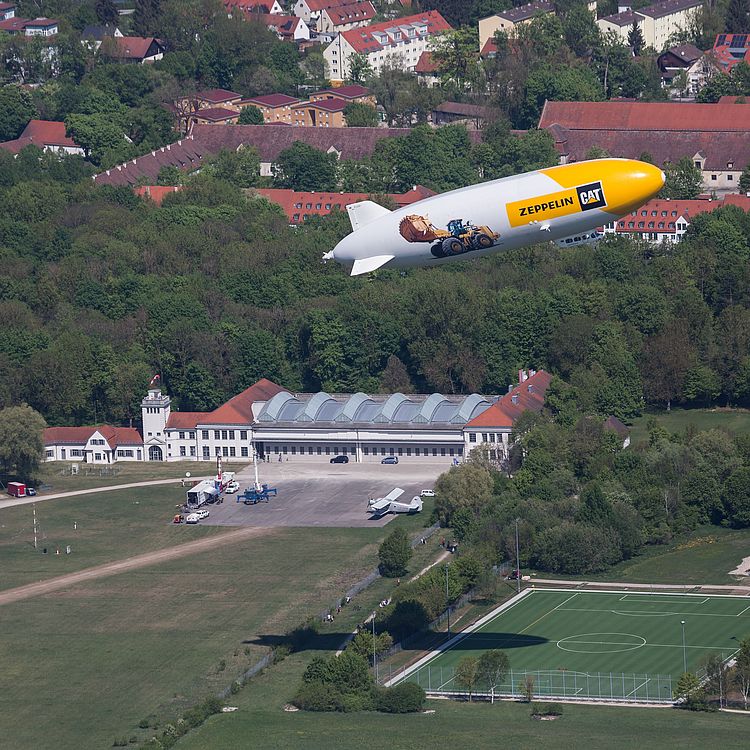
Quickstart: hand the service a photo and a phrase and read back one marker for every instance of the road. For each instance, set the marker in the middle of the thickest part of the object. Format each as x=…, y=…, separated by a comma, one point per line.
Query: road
x=130, y=563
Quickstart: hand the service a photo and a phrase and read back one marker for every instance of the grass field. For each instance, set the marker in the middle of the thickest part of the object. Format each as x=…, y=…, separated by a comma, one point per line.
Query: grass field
x=677, y=420
x=573, y=640
x=260, y=721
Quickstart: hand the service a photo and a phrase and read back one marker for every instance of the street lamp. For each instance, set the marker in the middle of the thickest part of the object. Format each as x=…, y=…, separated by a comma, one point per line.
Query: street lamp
x=684, y=650
x=518, y=563
x=374, y=661
x=447, y=601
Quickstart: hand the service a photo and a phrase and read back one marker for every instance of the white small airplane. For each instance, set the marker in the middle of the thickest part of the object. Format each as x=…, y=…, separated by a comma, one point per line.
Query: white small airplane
x=388, y=504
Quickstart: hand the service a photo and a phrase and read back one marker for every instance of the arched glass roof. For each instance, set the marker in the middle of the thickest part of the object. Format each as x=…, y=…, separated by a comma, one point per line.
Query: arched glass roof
x=272, y=409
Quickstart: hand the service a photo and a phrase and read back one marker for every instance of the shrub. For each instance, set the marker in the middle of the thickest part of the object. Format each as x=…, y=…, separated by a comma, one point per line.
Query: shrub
x=235, y=687
x=317, y=696
x=394, y=554
x=546, y=709
x=405, y=698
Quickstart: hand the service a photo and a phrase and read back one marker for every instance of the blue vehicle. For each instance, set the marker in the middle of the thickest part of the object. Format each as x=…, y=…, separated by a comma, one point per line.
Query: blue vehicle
x=255, y=495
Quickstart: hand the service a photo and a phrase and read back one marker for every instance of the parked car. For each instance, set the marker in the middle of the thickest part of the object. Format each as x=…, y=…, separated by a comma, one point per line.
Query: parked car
x=427, y=493
x=192, y=518
x=202, y=513
x=30, y=491
x=232, y=487
x=390, y=460
x=340, y=460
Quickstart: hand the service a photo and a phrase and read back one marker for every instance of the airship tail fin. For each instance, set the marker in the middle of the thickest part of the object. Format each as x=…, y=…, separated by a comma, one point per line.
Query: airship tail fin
x=365, y=265
x=364, y=212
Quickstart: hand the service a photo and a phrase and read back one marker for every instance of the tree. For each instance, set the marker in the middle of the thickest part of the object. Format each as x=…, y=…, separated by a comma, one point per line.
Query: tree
x=745, y=180
x=701, y=385
x=106, y=12
x=250, y=115
x=101, y=138
x=360, y=115
x=683, y=180
x=21, y=442
x=241, y=168
x=493, y=666
x=302, y=167
x=146, y=19
x=737, y=16
x=465, y=486
x=360, y=69
x=635, y=39
x=686, y=686
x=362, y=643
x=466, y=674
x=394, y=554
x=741, y=674
x=455, y=56
x=16, y=110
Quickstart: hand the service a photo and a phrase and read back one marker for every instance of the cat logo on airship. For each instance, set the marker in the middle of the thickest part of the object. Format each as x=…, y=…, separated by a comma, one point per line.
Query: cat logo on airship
x=591, y=196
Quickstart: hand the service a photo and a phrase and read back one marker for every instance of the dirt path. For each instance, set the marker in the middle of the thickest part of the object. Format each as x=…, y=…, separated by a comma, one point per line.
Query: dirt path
x=440, y=559
x=131, y=563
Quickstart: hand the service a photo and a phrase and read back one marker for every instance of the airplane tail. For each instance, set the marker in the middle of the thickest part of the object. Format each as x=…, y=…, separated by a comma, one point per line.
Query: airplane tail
x=364, y=212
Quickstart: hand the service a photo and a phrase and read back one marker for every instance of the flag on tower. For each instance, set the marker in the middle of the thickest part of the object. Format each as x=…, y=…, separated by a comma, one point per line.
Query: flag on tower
x=154, y=380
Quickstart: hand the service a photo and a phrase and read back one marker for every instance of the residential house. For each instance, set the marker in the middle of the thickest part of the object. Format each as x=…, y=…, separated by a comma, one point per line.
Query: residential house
x=7, y=11
x=93, y=445
x=15, y=26
x=204, y=141
x=507, y=20
x=93, y=36
x=252, y=6
x=471, y=115
x=730, y=49
x=713, y=136
x=45, y=27
x=684, y=59
x=310, y=10
x=276, y=108
x=326, y=113
x=340, y=18
x=663, y=220
x=215, y=116
x=133, y=49
x=286, y=28
x=613, y=424
x=352, y=93
x=397, y=43
x=156, y=193
x=47, y=135
x=299, y=205
x=426, y=70
x=218, y=98
x=658, y=22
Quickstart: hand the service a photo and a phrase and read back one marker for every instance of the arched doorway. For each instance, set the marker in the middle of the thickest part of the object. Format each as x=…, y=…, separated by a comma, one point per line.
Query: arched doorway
x=154, y=453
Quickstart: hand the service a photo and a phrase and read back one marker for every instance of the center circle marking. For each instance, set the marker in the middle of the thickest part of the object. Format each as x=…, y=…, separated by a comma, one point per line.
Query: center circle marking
x=601, y=643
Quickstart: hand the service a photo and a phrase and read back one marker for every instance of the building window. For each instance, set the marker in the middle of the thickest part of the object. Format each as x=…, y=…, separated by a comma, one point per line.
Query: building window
x=217, y=435
x=284, y=449
x=294, y=450
x=275, y=448
x=328, y=450
x=366, y=451
x=232, y=452
x=225, y=452
x=206, y=452
x=452, y=452
x=243, y=452
x=243, y=434
x=400, y=451
x=442, y=451
x=192, y=450
x=730, y=177
x=204, y=434
x=224, y=435
x=434, y=451
x=408, y=451
x=218, y=451
x=182, y=450
x=472, y=437
x=49, y=454
x=319, y=450
x=231, y=434
x=484, y=437
x=713, y=178
x=182, y=435
x=309, y=450
x=192, y=435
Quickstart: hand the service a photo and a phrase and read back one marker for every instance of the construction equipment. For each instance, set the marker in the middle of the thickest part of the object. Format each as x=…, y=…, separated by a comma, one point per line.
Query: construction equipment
x=255, y=495
x=460, y=237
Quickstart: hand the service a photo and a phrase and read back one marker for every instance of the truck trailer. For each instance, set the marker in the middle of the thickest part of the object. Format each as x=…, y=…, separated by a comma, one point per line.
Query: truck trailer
x=202, y=493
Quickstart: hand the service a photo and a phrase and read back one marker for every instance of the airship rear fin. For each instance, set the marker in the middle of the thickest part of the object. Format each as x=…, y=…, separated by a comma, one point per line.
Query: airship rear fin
x=364, y=212
x=365, y=265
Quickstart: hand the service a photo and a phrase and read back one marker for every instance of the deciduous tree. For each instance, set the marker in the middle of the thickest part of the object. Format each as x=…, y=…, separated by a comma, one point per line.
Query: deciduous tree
x=21, y=443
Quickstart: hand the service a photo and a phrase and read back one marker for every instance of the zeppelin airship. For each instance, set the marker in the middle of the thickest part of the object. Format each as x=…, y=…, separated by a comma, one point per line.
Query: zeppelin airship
x=564, y=204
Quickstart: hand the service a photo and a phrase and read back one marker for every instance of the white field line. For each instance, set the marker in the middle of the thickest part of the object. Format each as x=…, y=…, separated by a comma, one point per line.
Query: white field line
x=453, y=641
x=654, y=598
x=651, y=614
x=743, y=612
x=635, y=690
x=554, y=609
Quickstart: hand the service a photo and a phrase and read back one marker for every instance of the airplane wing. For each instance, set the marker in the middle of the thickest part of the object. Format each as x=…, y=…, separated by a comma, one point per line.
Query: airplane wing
x=394, y=494
x=366, y=265
x=379, y=507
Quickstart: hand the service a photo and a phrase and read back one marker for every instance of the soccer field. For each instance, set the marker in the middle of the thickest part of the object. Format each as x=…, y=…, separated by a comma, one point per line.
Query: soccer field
x=609, y=645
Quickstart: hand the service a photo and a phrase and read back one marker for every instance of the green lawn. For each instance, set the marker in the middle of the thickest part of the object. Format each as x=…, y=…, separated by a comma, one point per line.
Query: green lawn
x=677, y=420
x=574, y=641
x=261, y=722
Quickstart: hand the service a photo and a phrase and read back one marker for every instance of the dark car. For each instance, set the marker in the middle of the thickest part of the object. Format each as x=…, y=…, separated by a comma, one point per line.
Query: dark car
x=340, y=460
x=390, y=460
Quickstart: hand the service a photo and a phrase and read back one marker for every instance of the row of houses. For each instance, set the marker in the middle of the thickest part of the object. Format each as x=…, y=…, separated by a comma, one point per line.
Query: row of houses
x=14, y=25
x=322, y=108
x=272, y=422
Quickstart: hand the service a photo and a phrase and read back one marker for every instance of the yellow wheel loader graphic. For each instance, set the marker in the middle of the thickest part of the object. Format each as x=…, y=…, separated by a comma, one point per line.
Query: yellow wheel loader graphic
x=460, y=237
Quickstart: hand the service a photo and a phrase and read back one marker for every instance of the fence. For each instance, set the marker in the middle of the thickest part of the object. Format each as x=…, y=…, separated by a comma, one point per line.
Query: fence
x=548, y=683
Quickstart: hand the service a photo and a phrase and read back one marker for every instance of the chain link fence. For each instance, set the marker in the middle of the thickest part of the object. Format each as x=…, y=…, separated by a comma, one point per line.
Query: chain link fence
x=546, y=684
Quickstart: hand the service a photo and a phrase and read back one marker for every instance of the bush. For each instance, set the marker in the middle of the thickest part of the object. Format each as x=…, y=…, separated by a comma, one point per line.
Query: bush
x=546, y=709
x=405, y=698
x=394, y=554
x=318, y=696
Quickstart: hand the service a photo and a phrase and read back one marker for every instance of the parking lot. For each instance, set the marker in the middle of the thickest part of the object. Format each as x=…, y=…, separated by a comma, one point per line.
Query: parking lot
x=311, y=494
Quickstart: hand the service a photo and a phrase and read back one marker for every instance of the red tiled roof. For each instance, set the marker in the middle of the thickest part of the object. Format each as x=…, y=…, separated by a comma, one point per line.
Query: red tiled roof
x=43, y=23
x=296, y=202
x=363, y=40
x=40, y=133
x=7, y=6
x=731, y=49
x=272, y=100
x=156, y=193
x=133, y=47
x=329, y=105
x=216, y=114
x=354, y=91
x=217, y=96
x=425, y=64
x=528, y=396
x=239, y=409
x=316, y=5
x=654, y=116
x=113, y=435
x=362, y=10
x=263, y=6
x=186, y=420
x=737, y=199
x=13, y=24
x=281, y=23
